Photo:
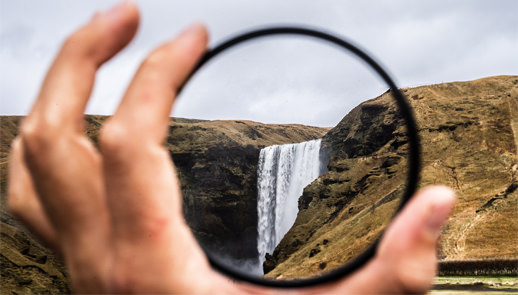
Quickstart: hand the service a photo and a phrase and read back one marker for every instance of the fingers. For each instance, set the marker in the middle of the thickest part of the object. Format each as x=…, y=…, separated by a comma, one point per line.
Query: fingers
x=69, y=81
x=141, y=184
x=136, y=163
x=146, y=106
x=64, y=165
x=53, y=154
x=23, y=200
x=406, y=258
x=67, y=176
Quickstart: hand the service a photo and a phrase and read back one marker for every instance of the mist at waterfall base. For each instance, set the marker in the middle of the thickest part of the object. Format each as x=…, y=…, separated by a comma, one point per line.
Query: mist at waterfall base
x=283, y=172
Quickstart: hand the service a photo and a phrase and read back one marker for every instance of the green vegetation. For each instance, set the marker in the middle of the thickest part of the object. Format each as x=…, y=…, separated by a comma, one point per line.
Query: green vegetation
x=498, y=267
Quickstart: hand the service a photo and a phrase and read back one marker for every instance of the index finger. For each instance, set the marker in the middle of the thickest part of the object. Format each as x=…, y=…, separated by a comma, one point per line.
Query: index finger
x=131, y=141
x=69, y=81
x=153, y=90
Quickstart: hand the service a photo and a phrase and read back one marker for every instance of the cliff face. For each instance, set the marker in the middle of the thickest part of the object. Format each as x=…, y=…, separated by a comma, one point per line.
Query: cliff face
x=217, y=165
x=469, y=139
x=345, y=210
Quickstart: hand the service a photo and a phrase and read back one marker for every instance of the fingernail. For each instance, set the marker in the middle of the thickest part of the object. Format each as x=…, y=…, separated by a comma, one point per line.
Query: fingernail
x=117, y=9
x=192, y=30
x=96, y=15
x=440, y=209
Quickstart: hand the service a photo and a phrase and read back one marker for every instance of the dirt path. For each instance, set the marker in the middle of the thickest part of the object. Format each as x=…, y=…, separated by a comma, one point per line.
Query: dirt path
x=460, y=238
x=513, y=110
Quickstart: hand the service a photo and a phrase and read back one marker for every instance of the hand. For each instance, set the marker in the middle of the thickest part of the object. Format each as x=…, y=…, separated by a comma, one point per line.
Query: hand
x=115, y=213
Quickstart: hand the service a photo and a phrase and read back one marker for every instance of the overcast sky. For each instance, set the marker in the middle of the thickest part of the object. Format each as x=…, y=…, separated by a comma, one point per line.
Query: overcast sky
x=280, y=80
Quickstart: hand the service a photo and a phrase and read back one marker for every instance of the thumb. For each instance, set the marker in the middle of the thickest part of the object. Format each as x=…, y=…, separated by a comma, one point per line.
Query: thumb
x=407, y=253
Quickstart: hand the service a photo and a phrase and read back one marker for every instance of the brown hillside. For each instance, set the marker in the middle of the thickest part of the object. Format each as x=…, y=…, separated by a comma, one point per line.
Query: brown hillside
x=469, y=140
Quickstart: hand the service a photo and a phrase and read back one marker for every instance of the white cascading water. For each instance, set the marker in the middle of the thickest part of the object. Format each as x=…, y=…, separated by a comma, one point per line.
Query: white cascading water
x=283, y=172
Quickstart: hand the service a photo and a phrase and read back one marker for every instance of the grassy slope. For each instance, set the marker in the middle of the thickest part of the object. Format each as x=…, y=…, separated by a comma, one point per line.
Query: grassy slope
x=469, y=140
x=479, y=158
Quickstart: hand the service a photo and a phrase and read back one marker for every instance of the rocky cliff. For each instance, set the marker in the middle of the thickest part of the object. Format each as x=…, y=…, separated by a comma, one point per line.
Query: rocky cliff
x=469, y=137
x=345, y=210
x=217, y=166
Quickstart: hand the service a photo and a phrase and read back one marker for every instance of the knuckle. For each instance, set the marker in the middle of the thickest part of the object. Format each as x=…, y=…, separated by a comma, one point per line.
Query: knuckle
x=114, y=139
x=72, y=44
x=156, y=59
x=16, y=148
x=39, y=134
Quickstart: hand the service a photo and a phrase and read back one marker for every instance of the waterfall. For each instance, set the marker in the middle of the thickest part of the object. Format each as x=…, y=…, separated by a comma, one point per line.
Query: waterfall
x=283, y=172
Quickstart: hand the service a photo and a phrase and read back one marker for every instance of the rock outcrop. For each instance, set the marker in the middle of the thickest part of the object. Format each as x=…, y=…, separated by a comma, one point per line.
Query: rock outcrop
x=345, y=210
x=469, y=141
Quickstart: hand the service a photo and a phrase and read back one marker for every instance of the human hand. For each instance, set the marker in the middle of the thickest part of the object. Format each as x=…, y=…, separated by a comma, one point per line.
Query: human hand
x=115, y=213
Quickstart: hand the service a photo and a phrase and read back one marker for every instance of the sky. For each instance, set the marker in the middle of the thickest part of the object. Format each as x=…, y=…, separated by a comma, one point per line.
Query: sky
x=273, y=80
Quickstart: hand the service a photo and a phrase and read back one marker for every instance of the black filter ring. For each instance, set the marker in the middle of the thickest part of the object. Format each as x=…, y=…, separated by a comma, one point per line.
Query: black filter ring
x=413, y=141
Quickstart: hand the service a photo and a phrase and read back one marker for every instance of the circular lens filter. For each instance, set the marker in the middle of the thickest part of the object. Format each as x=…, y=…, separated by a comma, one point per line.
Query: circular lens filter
x=411, y=162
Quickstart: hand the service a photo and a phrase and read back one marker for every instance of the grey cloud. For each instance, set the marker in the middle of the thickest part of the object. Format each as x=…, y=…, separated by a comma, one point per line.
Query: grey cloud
x=420, y=42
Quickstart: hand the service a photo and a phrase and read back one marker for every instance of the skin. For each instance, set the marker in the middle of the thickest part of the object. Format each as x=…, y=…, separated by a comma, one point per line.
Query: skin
x=114, y=213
